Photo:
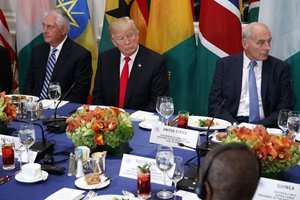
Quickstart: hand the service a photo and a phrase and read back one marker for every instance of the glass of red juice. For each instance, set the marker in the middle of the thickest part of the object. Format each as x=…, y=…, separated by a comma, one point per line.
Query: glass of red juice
x=183, y=117
x=8, y=155
x=143, y=183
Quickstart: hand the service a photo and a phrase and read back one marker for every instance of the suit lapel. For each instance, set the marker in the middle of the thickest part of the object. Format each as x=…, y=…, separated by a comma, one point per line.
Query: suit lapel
x=238, y=76
x=134, y=74
x=115, y=74
x=265, y=76
x=44, y=60
x=62, y=58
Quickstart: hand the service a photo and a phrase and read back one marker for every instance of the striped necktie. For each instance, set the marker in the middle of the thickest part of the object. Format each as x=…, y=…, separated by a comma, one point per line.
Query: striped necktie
x=123, y=82
x=50, y=66
x=253, y=96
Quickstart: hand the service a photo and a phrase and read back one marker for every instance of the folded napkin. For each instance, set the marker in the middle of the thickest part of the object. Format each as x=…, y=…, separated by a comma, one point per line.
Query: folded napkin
x=49, y=104
x=247, y=125
x=140, y=115
x=66, y=194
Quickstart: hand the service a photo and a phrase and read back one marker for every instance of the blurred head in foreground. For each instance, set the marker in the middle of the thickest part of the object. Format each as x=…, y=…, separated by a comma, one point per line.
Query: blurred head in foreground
x=229, y=172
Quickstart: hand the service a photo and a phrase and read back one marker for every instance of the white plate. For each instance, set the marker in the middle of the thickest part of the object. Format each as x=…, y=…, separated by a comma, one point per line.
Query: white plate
x=35, y=98
x=20, y=178
x=193, y=122
x=81, y=183
x=113, y=197
x=92, y=107
x=214, y=138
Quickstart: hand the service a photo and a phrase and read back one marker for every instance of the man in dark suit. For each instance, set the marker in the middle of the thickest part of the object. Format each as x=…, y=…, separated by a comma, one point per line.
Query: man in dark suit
x=147, y=71
x=73, y=62
x=231, y=83
x=6, y=76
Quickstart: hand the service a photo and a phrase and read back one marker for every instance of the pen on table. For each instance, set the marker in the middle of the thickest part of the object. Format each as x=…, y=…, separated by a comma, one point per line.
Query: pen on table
x=174, y=121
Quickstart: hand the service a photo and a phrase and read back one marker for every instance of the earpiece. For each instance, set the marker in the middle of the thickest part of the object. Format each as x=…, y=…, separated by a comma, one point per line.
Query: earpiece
x=200, y=187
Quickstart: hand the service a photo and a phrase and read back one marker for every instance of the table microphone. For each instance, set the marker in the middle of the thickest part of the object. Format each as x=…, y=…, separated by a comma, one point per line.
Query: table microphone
x=58, y=125
x=208, y=145
x=42, y=148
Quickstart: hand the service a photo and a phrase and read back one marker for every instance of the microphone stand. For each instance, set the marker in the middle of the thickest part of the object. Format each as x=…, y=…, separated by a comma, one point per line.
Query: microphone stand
x=43, y=147
x=58, y=125
x=208, y=145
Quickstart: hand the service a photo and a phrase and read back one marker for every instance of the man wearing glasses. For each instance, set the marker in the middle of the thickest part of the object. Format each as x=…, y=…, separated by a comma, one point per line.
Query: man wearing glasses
x=129, y=75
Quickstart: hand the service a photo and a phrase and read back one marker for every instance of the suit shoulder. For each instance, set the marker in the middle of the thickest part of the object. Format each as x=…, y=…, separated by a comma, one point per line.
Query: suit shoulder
x=277, y=61
x=77, y=47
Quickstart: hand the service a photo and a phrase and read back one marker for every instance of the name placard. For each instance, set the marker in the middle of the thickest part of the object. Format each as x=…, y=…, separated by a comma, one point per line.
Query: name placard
x=276, y=190
x=129, y=168
x=171, y=136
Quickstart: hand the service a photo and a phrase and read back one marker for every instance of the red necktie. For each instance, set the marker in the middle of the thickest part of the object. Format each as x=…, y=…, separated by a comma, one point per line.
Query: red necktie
x=123, y=82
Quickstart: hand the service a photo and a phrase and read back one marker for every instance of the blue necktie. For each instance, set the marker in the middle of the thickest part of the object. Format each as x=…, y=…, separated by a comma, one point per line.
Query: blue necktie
x=253, y=96
x=50, y=66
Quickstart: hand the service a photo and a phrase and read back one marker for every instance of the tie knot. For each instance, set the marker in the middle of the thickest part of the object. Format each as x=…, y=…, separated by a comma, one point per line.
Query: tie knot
x=252, y=63
x=54, y=51
x=127, y=59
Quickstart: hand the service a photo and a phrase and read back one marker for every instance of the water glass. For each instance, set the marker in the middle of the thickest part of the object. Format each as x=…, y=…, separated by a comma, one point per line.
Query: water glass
x=293, y=123
x=166, y=108
x=282, y=120
x=8, y=156
x=27, y=136
x=176, y=172
x=54, y=91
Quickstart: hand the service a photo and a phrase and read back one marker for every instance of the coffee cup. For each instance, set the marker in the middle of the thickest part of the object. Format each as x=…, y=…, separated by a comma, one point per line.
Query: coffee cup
x=31, y=171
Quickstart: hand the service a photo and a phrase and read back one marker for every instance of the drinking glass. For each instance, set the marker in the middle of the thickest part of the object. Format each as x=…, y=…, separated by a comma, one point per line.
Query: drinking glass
x=19, y=148
x=158, y=102
x=176, y=172
x=293, y=123
x=27, y=136
x=282, y=120
x=8, y=156
x=54, y=91
x=166, y=108
x=164, y=162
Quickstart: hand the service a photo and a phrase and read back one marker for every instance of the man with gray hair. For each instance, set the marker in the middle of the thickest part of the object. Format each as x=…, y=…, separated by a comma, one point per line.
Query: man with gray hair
x=59, y=59
x=129, y=75
x=254, y=84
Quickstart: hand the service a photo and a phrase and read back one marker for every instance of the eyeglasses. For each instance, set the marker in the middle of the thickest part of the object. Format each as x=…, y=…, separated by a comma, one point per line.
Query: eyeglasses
x=129, y=37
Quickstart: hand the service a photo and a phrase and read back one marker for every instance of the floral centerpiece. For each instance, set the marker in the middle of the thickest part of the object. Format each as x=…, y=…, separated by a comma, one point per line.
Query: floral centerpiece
x=8, y=110
x=101, y=126
x=277, y=153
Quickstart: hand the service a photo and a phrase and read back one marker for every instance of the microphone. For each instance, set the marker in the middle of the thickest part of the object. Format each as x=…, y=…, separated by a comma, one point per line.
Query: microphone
x=42, y=148
x=208, y=145
x=55, y=124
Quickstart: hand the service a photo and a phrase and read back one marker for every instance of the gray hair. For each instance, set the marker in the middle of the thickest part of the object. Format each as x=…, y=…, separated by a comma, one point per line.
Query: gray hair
x=61, y=18
x=248, y=30
x=122, y=23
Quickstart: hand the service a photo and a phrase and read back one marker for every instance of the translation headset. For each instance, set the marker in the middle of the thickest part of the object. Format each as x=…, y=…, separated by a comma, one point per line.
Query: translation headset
x=200, y=187
x=49, y=158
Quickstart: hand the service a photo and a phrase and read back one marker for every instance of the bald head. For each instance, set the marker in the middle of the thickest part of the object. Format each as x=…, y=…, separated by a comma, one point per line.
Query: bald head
x=232, y=172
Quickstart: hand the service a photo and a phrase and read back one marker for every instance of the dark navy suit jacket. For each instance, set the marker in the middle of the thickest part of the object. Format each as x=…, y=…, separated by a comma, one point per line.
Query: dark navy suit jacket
x=73, y=65
x=148, y=79
x=227, y=82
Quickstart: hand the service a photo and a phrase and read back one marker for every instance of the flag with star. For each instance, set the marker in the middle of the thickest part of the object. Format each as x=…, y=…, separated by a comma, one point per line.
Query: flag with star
x=81, y=29
x=253, y=10
x=220, y=31
x=29, y=31
x=113, y=9
x=171, y=33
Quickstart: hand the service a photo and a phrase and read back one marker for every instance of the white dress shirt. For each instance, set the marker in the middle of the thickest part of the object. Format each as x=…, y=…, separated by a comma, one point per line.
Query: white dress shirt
x=130, y=63
x=244, y=100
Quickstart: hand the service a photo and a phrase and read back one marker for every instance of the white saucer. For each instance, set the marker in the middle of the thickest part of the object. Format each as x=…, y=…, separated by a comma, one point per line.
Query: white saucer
x=145, y=125
x=81, y=183
x=20, y=178
x=113, y=196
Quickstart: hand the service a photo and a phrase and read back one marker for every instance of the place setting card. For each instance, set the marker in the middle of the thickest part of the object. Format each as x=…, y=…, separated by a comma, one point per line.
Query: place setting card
x=129, y=168
x=173, y=136
x=276, y=190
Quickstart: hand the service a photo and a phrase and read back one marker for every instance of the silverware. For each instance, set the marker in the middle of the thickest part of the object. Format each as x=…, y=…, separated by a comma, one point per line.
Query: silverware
x=89, y=195
x=173, y=122
x=4, y=179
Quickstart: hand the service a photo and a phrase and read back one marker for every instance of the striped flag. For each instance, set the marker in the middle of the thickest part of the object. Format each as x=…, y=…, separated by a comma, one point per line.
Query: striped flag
x=171, y=33
x=139, y=14
x=81, y=29
x=219, y=35
x=285, y=31
x=29, y=31
x=7, y=41
x=253, y=10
